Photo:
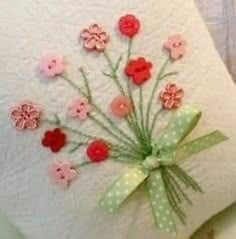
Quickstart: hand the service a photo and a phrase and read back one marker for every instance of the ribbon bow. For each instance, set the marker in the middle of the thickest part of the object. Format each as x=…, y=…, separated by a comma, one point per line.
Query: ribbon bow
x=163, y=177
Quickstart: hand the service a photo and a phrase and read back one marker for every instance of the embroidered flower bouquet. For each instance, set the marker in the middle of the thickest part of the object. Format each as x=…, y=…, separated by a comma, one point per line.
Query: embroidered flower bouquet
x=153, y=155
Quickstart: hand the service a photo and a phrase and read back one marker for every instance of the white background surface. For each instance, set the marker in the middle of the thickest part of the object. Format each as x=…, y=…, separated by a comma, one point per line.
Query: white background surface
x=31, y=28
x=220, y=17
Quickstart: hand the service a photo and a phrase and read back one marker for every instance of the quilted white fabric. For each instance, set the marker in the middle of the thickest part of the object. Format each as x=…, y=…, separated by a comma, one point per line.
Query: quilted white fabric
x=219, y=16
x=30, y=28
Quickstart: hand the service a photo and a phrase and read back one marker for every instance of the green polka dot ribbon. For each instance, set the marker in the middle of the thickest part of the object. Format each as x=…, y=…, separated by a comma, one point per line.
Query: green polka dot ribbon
x=7, y=229
x=165, y=181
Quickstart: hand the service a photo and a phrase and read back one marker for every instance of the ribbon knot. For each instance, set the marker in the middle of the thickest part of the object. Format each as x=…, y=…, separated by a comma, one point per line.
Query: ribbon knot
x=151, y=162
x=154, y=162
x=161, y=172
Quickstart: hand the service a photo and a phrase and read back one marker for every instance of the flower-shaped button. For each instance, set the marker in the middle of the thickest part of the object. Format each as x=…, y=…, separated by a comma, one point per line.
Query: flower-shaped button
x=139, y=70
x=52, y=65
x=129, y=25
x=94, y=38
x=121, y=106
x=176, y=46
x=98, y=150
x=171, y=96
x=25, y=116
x=62, y=172
x=79, y=108
x=54, y=139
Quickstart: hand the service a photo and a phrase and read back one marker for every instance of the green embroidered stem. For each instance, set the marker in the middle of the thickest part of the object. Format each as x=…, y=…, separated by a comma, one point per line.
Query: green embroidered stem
x=89, y=95
x=113, y=69
x=172, y=200
x=108, y=130
x=186, y=178
x=169, y=74
x=128, y=155
x=119, y=139
x=178, y=186
x=128, y=81
x=180, y=214
x=130, y=43
x=113, y=125
x=64, y=77
x=134, y=116
x=127, y=150
x=158, y=78
x=75, y=131
x=136, y=130
x=124, y=158
x=172, y=186
x=185, y=181
x=97, y=108
x=117, y=65
x=150, y=132
x=170, y=195
x=143, y=134
x=87, y=136
x=77, y=145
x=132, y=123
x=140, y=134
x=153, y=123
x=83, y=164
x=141, y=109
x=129, y=120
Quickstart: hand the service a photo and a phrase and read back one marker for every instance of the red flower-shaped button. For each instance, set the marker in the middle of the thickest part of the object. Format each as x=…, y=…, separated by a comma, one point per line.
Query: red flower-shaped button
x=138, y=70
x=54, y=139
x=129, y=25
x=98, y=150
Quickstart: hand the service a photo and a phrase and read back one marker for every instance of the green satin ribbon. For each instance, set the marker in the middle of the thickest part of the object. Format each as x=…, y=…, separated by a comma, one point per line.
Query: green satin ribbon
x=166, y=152
x=7, y=229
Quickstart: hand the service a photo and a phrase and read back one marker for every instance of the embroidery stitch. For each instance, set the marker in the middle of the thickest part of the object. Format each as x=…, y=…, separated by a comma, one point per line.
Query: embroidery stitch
x=154, y=160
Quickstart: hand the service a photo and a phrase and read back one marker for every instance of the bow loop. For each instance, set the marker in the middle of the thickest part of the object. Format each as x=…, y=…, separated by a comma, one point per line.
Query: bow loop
x=181, y=124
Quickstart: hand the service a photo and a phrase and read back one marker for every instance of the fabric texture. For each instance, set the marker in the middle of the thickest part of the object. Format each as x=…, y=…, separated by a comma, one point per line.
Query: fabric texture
x=220, y=16
x=32, y=28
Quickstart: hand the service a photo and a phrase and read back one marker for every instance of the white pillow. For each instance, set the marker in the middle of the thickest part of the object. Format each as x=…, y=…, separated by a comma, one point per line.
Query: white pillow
x=42, y=210
x=219, y=17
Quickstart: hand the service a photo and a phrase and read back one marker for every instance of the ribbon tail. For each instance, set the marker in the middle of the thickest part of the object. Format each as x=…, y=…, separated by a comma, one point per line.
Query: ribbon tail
x=122, y=188
x=7, y=229
x=199, y=144
x=159, y=202
x=181, y=124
